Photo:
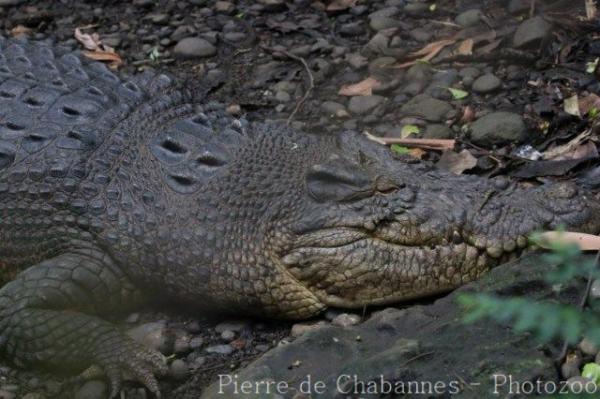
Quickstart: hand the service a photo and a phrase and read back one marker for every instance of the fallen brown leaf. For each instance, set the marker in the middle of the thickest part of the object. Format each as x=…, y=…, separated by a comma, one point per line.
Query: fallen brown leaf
x=19, y=30
x=90, y=41
x=468, y=115
x=588, y=102
x=466, y=47
x=557, y=151
x=586, y=242
x=362, y=88
x=426, y=53
x=456, y=162
x=114, y=58
x=591, y=11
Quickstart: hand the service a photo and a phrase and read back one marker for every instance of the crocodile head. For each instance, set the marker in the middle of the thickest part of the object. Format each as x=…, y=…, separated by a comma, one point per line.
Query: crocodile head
x=315, y=220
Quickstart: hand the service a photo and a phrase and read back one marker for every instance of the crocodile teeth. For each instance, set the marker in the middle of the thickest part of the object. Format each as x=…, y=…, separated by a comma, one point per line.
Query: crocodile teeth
x=494, y=252
x=522, y=241
x=509, y=246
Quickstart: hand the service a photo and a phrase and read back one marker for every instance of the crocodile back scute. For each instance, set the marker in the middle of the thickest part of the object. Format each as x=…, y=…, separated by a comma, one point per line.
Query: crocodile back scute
x=57, y=108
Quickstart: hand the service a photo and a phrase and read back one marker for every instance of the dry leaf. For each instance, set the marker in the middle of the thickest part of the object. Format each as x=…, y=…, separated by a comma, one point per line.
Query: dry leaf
x=91, y=42
x=457, y=162
x=466, y=47
x=587, y=150
x=588, y=102
x=468, y=115
x=586, y=242
x=19, y=30
x=571, y=106
x=591, y=11
x=338, y=5
x=426, y=53
x=567, y=147
x=417, y=153
x=362, y=88
x=114, y=58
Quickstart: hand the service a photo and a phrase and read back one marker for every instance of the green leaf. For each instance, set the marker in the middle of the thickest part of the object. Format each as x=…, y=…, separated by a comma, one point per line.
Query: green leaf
x=407, y=130
x=591, y=371
x=397, y=148
x=590, y=67
x=457, y=93
x=433, y=7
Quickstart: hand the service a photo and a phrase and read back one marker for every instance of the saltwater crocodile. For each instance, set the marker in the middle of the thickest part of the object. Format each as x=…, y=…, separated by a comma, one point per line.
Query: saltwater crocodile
x=115, y=191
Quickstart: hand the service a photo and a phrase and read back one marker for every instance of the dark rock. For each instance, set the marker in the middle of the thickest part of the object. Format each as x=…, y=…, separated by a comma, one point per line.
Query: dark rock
x=153, y=335
x=178, y=369
x=498, y=128
x=426, y=107
x=93, y=389
x=486, y=84
x=438, y=131
x=531, y=32
x=468, y=18
x=429, y=337
x=194, y=47
x=381, y=23
x=362, y=104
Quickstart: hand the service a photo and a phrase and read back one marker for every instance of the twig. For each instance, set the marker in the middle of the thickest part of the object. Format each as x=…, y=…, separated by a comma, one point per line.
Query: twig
x=563, y=352
x=428, y=144
x=311, y=79
x=531, y=8
x=412, y=359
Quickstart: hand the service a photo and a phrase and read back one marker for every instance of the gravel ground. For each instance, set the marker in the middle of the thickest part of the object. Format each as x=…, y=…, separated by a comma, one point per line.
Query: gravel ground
x=493, y=75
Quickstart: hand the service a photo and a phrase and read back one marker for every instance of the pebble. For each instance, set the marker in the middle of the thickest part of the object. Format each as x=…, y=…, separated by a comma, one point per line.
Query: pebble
x=588, y=347
x=468, y=18
x=4, y=3
x=182, y=344
x=194, y=47
x=362, y=104
x=282, y=96
x=486, y=84
x=153, y=335
x=224, y=7
x=178, y=369
x=235, y=326
x=427, y=107
x=498, y=128
x=595, y=289
x=94, y=389
x=356, y=61
x=346, y=320
x=7, y=394
x=33, y=395
x=196, y=342
x=381, y=23
x=228, y=335
x=416, y=8
x=220, y=349
x=299, y=329
x=438, y=131
x=580, y=384
x=568, y=370
x=531, y=32
x=334, y=108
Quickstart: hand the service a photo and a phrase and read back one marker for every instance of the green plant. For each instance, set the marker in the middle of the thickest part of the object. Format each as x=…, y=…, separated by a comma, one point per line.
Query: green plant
x=547, y=320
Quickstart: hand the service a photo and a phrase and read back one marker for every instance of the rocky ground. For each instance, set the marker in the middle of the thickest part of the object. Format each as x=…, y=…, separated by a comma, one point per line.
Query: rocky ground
x=510, y=81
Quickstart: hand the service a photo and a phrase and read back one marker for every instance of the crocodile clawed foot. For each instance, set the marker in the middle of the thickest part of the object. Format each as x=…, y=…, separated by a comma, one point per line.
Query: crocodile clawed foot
x=129, y=357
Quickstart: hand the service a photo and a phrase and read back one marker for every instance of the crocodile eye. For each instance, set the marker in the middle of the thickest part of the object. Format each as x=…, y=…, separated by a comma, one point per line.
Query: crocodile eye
x=338, y=180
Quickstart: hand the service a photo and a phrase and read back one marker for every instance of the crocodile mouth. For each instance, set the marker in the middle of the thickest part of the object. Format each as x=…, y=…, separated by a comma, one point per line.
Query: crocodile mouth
x=353, y=267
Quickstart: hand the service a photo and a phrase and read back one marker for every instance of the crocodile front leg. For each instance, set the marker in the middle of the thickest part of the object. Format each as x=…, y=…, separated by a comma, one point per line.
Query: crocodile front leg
x=46, y=319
